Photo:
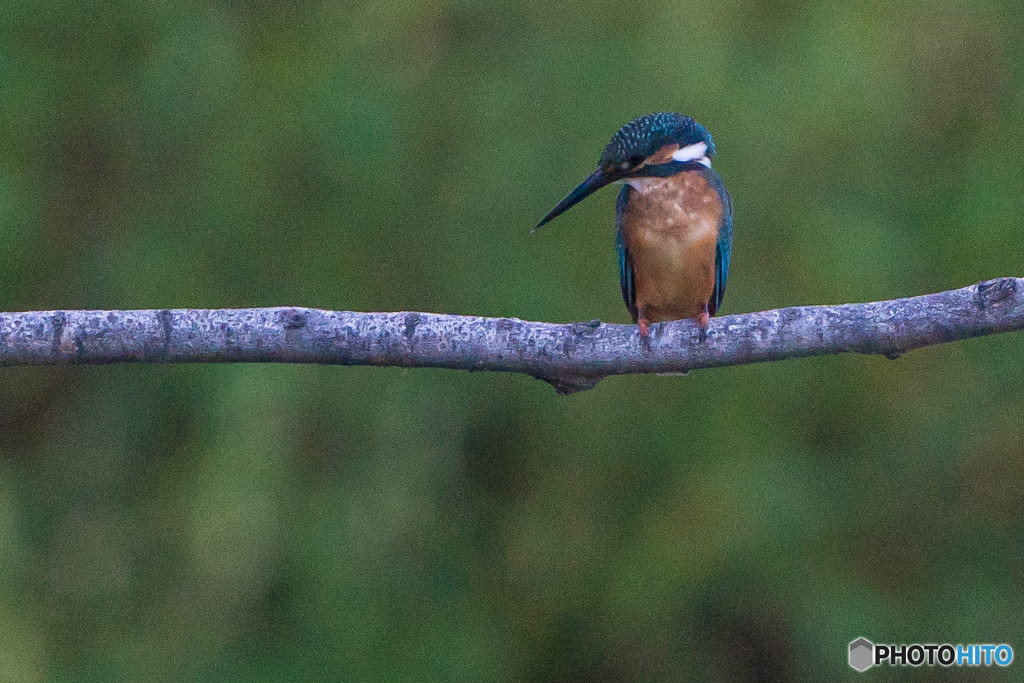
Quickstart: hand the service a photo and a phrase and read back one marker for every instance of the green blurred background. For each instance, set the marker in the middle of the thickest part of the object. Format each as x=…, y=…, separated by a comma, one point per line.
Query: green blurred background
x=357, y=524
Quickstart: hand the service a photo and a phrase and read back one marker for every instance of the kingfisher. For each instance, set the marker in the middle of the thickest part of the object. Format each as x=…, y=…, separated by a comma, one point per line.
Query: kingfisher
x=673, y=219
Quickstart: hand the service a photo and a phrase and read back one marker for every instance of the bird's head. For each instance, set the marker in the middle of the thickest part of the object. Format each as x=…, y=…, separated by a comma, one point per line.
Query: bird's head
x=652, y=146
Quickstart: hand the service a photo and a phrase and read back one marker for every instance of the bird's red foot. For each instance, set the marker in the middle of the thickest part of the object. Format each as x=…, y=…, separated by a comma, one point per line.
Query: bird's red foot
x=645, y=332
x=702, y=324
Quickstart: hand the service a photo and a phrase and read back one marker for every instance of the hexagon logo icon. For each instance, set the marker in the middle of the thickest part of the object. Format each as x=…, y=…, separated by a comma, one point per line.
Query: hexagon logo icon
x=861, y=654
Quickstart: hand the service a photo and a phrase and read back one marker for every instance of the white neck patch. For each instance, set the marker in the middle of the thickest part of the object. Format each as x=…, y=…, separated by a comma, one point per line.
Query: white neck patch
x=695, y=152
x=641, y=185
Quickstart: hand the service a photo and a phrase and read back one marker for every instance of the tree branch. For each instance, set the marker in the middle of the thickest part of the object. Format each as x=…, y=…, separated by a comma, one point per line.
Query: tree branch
x=572, y=357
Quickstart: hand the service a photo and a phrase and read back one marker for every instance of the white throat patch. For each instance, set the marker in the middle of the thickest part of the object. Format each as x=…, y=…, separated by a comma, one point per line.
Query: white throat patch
x=695, y=152
x=641, y=185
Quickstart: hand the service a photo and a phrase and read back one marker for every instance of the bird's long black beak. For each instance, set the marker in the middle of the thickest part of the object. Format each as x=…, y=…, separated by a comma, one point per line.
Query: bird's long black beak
x=595, y=182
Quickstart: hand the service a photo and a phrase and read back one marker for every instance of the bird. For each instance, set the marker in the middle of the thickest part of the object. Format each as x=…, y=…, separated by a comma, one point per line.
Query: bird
x=673, y=219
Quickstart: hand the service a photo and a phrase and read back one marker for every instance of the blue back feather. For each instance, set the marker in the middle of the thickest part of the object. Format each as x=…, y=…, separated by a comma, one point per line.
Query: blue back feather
x=723, y=248
x=625, y=262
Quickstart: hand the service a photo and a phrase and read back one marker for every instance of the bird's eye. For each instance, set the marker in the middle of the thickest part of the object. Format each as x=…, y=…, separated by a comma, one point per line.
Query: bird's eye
x=632, y=162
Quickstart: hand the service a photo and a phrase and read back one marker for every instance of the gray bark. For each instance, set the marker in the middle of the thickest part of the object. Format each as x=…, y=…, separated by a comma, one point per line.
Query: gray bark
x=572, y=357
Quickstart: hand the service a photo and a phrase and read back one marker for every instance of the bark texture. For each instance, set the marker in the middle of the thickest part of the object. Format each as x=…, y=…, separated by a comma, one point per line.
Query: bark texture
x=571, y=357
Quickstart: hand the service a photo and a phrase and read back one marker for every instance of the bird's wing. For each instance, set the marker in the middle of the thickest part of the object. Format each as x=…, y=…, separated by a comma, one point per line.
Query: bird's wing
x=625, y=261
x=723, y=251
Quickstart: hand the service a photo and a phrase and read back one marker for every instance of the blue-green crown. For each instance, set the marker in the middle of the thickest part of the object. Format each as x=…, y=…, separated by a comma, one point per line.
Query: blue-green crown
x=642, y=137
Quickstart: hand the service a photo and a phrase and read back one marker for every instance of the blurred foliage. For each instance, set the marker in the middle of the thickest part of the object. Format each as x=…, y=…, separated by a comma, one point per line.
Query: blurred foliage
x=321, y=523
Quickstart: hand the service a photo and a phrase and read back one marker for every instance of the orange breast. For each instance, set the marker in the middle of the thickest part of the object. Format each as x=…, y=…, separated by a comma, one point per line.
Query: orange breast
x=670, y=228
